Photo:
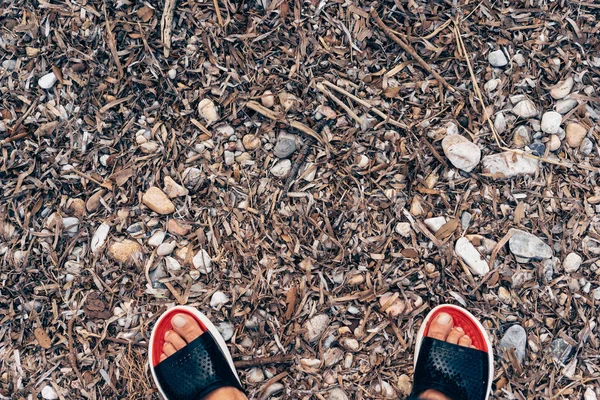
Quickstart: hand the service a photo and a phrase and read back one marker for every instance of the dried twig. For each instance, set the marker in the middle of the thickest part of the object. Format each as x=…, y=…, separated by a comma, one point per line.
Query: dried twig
x=165, y=26
x=260, y=361
x=408, y=48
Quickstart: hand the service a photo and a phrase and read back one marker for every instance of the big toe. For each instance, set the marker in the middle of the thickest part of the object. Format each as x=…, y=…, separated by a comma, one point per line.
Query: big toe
x=186, y=327
x=441, y=327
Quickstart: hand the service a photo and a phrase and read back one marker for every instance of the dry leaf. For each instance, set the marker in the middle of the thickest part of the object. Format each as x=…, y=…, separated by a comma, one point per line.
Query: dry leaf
x=42, y=338
x=447, y=229
x=290, y=299
x=145, y=13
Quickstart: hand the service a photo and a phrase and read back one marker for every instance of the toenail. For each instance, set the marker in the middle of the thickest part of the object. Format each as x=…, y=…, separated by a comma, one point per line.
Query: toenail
x=167, y=334
x=458, y=328
x=179, y=321
x=444, y=319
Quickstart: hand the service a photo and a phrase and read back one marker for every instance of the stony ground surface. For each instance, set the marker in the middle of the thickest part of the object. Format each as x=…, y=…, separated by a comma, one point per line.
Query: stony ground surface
x=313, y=175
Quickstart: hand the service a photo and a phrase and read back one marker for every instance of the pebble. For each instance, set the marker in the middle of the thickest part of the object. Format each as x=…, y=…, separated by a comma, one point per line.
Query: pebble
x=124, y=251
x=49, y=393
x=9, y=65
x=70, y=225
x=362, y=161
x=521, y=136
x=465, y=250
x=554, y=143
x=562, y=88
x=226, y=329
x=176, y=228
x=349, y=343
x=172, y=73
x=509, y=164
x=332, y=356
x=99, y=237
x=566, y=105
x=575, y=134
x=229, y=157
x=255, y=375
x=589, y=394
x=47, y=81
x=491, y=85
x=551, y=121
x=202, y=262
x=158, y=201
x=386, y=390
x=525, y=109
x=396, y=308
x=465, y=220
x=191, y=177
x=537, y=148
x=497, y=58
x=435, y=223
x=218, y=299
x=519, y=59
x=165, y=249
x=504, y=295
x=337, y=394
x=561, y=350
x=572, y=262
x=527, y=246
x=281, y=168
x=251, y=142
x=174, y=189
x=267, y=99
x=515, y=337
x=403, y=229
x=462, y=153
x=157, y=238
x=315, y=327
x=209, y=111
x=500, y=123
x=285, y=146
x=587, y=146
x=172, y=264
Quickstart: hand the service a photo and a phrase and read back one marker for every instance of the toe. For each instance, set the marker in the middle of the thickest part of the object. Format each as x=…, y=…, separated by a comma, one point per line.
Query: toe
x=440, y=327
x=186, y=327
x=168, y=349
x=177, y=341
x=465, y=341
x=163, y=357
x=454, y=335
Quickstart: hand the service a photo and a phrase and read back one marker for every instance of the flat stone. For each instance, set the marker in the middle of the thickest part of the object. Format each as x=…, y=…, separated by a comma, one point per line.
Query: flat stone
x=47, y=81
x=165, y=249
x=509, y=164
x=526, y=245
x=226, y=329
x=202, y=262
x=157, y=238
x=218, y=299
x=461, y=152
x=99, y=237
x=575, y=134
x=525, y=109
x=315, y=327
x=469, y=254
x=497, y=58
x=177, y=228
x=465, y=220
x=500, y=123
x=572, y=262
x=285, y=146
x=125, y=251
x=515, y=337
x=565, y=105
x=281, y=168
x=158, y=201
x=174, y=189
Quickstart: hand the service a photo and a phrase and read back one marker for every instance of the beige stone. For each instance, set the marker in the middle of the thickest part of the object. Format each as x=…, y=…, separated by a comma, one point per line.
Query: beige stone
x=158, y=201
x=177, y=228
x=93, y=202
x=251, y=142
x=575, y=134
x=124, y=251
x=173, y=189
x=76, y=207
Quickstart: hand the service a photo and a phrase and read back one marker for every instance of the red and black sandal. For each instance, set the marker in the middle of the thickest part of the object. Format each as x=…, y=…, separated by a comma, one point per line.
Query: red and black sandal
x=461, y=373
x=198, y=369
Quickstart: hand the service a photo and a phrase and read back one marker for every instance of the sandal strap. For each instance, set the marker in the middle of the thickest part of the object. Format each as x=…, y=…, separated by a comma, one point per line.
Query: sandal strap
x=196, y=370
x=458, y=372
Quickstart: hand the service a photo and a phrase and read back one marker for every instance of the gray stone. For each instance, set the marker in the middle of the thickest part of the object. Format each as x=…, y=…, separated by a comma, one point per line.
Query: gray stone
x=285, y=146
x=526, y=245
x=572, y=262
x=515, y=337
x=465, y=219
x=561, y=350
x=497, y=58
x=586, y=147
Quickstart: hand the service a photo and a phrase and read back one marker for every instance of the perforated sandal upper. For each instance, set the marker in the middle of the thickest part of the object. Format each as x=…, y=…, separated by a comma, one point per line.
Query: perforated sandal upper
x=196, y=370
x=459, y=372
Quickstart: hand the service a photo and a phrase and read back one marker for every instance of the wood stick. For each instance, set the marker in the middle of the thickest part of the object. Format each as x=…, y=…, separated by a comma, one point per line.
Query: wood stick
x=408, y=48
x=256, y=362
x=165, y=26
x=340, y=103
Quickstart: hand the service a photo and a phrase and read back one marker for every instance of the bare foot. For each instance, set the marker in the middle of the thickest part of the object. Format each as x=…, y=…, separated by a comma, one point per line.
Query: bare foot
x=442, y=328
x=186, y=329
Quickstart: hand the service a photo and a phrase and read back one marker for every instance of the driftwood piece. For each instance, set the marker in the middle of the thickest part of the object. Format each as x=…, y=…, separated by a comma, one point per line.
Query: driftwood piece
x=166, y=22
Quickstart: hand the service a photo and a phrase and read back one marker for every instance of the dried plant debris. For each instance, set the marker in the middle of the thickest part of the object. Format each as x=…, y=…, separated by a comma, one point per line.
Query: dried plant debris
x=313, y=175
